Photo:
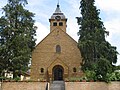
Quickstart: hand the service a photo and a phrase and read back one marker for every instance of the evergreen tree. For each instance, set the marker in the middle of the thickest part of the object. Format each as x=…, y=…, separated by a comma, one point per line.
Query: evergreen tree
x=92, y=43
x=17, y=40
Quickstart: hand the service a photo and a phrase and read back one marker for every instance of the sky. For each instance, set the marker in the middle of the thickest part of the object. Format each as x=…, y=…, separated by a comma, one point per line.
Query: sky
x=43, y=9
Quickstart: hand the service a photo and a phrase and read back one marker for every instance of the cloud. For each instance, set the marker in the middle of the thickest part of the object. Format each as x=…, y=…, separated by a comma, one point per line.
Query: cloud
x=108, y=5
x=35, y=2
x=74, y=4
x=113, y=26
x=73, y=7
x=2, y=4
x=41, y=32
x=72, y=29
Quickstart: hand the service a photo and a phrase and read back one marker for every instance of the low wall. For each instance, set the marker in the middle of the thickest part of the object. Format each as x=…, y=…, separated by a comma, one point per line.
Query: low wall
x=92, y=86
x=68, y=86
x=24, y=85
x=0, y=86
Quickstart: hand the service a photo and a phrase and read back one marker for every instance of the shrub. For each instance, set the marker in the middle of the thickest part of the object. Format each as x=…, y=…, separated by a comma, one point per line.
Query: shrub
x=90, y=75
x=117, y=75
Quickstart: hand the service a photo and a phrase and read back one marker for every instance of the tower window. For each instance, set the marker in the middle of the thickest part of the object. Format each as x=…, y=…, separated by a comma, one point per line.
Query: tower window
x=55, y=24
x=58, y=49
x=60, y=24
x=42, y=70
x=74, y=69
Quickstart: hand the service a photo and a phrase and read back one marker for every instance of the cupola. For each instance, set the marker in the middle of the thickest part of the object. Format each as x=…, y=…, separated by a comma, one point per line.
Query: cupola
x=58, y=20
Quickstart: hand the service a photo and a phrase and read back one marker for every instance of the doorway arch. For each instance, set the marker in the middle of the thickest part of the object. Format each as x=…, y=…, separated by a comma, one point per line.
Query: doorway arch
x=58, y=72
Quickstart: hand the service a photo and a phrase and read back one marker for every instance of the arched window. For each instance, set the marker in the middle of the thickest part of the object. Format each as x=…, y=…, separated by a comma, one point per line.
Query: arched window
x=74, y=69
x=42, y=70
x=58, y=49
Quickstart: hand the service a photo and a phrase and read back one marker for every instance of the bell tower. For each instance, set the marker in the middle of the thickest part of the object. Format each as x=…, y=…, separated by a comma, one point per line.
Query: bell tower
x=58, y=20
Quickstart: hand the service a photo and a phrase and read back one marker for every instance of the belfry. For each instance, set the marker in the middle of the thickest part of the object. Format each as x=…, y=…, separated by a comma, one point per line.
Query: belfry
x=57, y=56
x=58, y=19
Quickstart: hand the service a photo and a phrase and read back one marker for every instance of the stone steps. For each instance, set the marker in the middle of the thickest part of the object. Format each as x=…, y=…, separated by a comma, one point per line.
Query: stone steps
x=57, y=85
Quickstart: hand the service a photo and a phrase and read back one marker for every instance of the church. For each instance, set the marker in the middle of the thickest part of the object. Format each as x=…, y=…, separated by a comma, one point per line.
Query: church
x=57, y=56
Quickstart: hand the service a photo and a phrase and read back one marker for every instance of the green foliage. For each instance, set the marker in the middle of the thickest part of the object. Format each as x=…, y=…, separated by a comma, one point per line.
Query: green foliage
x=2, y=78
x=118, y=75
x=110, y=77
x=103, y=68
x=91, y=75
x=17, y=40
x=17, y=79
x=73, y=79
x=98, y=54
x=103, y=71
x=115, y=76
x=117, y=67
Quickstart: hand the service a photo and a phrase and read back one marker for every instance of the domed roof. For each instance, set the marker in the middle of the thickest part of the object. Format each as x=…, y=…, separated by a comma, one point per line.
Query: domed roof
x=58, y=13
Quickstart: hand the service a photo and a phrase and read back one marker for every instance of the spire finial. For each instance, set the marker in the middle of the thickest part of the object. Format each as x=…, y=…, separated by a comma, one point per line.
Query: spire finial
x=58, y=4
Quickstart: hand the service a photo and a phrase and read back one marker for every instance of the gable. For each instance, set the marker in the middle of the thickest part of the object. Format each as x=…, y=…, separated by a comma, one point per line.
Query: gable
x=45, y=51
x=56, y=35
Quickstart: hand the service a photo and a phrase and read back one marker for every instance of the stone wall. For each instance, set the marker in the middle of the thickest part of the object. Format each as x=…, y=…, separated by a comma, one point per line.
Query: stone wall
x=24, y=85
x=68, y=86
x=92, y=86
x=0, y=86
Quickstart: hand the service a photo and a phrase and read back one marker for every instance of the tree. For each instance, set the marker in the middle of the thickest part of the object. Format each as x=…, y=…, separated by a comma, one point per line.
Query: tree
x=92, y=42
x=17, y=40
x=103, y=68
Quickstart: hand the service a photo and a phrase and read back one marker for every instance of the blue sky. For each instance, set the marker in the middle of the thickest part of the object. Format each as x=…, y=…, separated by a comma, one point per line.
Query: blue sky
x=43, y=9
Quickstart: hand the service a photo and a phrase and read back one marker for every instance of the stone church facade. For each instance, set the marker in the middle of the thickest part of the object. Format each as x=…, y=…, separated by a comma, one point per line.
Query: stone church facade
x=57, y=56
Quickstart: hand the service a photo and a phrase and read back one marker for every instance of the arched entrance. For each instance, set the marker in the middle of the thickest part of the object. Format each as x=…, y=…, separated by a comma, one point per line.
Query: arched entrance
x=58, y=72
